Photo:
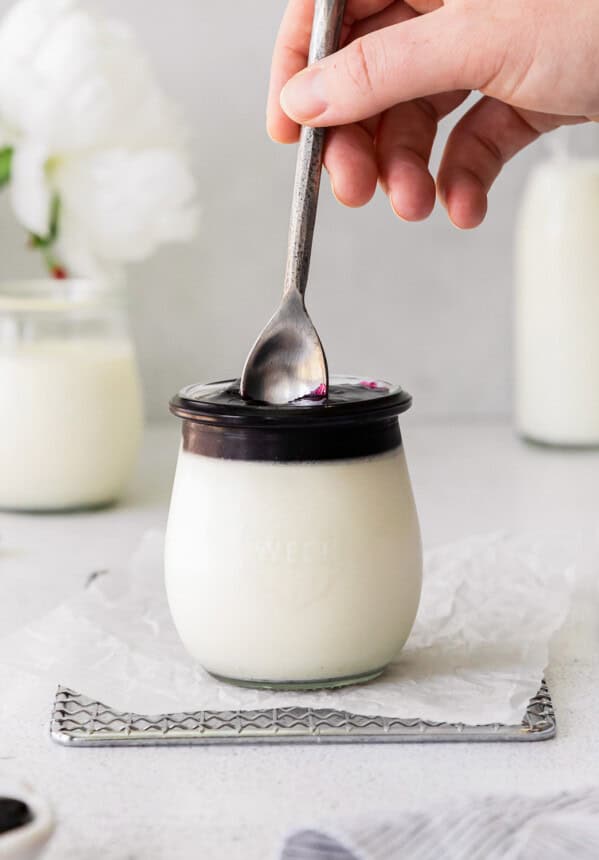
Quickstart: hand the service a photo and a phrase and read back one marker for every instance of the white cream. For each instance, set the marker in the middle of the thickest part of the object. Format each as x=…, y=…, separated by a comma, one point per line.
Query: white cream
x=70, y=422
x=295, y=571
x=557, y=304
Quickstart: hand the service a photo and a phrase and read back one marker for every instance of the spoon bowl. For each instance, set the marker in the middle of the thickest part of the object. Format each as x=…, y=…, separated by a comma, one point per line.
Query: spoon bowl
x=287, y=362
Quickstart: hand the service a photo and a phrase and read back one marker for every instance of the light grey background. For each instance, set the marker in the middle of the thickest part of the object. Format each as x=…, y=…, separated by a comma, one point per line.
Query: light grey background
x=424, y=305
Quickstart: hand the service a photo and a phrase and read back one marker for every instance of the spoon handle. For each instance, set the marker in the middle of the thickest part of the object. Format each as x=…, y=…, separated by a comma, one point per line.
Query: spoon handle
x=326, y=31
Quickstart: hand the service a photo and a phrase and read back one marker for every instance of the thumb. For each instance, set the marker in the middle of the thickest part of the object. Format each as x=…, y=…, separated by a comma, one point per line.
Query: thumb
x=434, y=53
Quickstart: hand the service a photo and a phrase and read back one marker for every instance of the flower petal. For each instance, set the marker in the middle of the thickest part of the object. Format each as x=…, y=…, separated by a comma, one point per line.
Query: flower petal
x=88, y=120
x=126, y=203
x=80, y=80
x=23, y=32
x=30, y=194
x=77, y=254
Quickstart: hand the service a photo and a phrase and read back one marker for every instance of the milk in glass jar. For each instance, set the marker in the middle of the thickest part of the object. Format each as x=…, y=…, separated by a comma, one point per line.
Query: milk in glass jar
x=293, y=553
x=70, y=395
x=557, y=295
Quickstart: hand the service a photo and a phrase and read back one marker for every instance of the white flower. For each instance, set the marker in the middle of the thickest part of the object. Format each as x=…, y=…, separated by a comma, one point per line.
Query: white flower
x=119, y=205
x=88, y=122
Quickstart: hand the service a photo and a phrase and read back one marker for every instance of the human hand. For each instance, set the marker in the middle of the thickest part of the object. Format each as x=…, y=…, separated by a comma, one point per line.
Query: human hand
x=404, y=66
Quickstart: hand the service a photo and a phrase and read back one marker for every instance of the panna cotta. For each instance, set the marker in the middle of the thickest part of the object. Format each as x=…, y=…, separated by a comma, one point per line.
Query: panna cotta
x=293, y=553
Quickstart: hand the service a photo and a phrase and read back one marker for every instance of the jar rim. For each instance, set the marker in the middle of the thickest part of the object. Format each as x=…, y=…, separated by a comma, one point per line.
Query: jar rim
x=351, y=399
x=51, y=295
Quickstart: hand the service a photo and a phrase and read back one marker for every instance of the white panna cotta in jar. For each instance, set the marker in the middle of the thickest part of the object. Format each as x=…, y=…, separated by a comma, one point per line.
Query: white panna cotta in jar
x=293, y=553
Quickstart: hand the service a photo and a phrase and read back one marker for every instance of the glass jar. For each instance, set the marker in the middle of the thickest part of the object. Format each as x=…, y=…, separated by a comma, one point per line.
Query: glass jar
x=70, y=397
x=557, y=294
x=293, y=554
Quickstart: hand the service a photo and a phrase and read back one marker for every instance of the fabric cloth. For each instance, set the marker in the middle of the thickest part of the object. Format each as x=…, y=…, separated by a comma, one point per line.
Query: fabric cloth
x=565, y=827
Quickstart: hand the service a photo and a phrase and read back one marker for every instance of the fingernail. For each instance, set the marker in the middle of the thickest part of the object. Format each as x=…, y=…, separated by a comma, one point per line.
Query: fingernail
x=396, y=211
x=303, y=98
x=334, y=190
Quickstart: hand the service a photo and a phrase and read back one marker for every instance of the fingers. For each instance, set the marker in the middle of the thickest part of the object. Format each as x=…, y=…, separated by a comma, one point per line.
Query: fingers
x=289, y=57
x=350, y=156
x=350, y=159
x=481, y=143
x=404, y=142
x=395, y=13
x=358, y=9
x=409, y=60
x=422, y=6
x=290, y=54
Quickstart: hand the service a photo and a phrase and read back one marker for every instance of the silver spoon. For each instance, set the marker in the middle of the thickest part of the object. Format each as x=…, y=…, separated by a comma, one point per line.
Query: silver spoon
x=287, y=362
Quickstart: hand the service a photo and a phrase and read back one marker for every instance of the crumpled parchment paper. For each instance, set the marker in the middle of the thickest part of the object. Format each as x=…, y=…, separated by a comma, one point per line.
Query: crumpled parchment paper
x=490, y=607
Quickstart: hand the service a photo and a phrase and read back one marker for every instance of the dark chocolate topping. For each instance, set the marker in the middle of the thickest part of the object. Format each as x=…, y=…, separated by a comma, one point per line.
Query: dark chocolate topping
x=357, y=419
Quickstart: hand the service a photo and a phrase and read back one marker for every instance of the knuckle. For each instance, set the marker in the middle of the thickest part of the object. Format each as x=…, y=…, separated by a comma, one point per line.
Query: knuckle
x=362, y=66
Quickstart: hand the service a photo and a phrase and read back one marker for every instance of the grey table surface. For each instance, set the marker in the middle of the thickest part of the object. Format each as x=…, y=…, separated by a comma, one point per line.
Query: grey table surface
x=236, y=803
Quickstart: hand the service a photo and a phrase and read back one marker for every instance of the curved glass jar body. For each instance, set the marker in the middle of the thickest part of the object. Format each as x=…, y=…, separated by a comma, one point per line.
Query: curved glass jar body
x=70, y=398
x=557, y=298
x=293, y=555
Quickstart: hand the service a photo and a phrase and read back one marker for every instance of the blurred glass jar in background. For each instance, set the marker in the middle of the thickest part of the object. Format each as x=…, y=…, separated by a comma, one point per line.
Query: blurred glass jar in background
x=557, y=294
x=70, y=397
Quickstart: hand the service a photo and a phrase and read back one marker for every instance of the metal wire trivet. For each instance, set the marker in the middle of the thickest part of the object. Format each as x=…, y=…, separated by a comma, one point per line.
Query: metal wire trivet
x=80, y=721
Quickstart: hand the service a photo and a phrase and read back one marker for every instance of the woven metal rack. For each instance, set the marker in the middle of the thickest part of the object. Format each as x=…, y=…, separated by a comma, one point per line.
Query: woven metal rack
x=80, y=721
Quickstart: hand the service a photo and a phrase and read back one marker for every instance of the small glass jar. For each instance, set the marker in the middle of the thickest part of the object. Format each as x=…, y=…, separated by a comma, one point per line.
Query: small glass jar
x=70, y=397
x=293, y=553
